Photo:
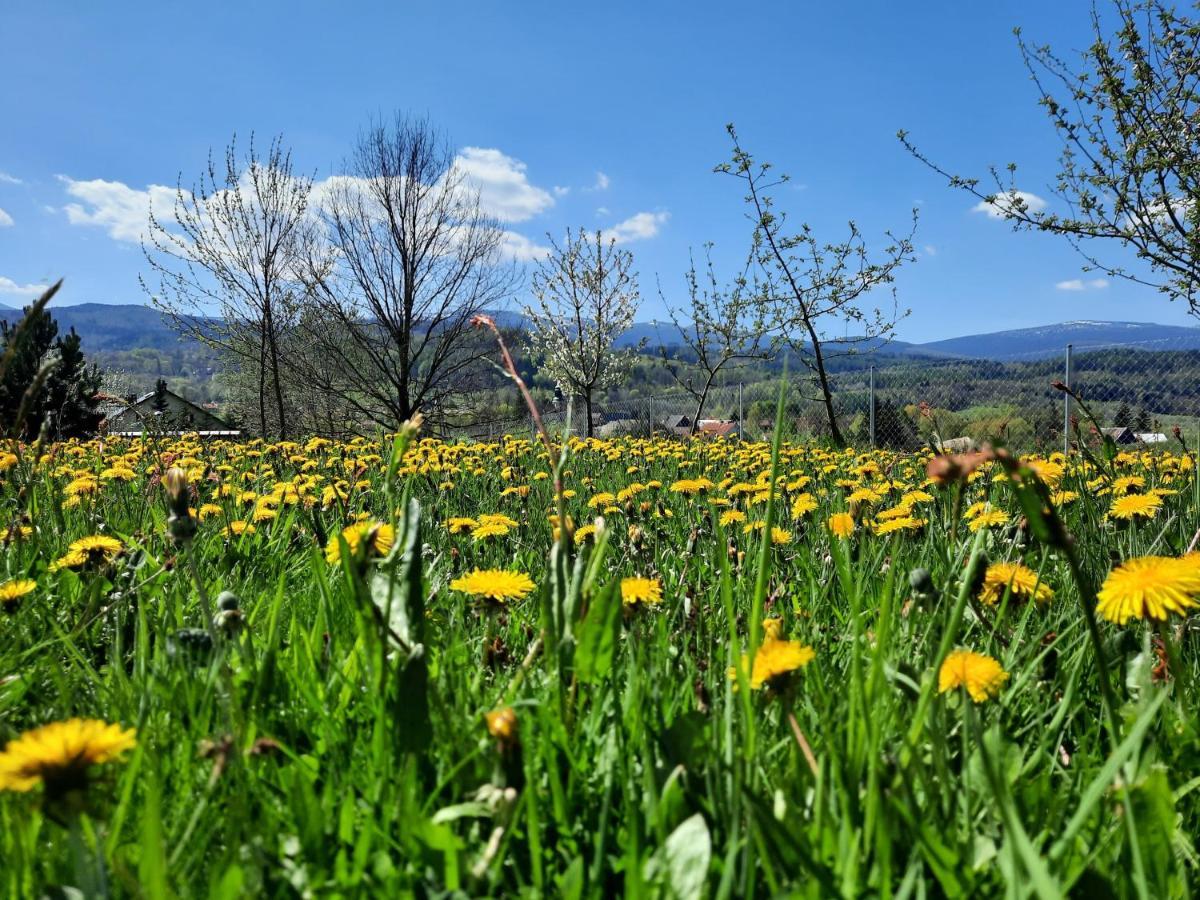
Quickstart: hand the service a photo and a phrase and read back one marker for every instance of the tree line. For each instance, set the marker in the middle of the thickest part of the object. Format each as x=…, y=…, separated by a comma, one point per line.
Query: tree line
x=346, y=305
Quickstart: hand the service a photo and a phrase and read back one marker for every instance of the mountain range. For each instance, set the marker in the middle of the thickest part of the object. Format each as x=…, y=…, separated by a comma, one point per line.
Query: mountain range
x=117, y=327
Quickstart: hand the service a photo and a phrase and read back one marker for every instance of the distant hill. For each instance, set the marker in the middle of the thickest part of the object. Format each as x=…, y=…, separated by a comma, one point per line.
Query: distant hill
x=1051, y=340
x=113, y=326
x=123, y=327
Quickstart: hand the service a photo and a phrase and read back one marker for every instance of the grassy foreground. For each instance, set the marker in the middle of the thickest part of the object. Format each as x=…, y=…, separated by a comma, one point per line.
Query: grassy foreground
x=327, y=676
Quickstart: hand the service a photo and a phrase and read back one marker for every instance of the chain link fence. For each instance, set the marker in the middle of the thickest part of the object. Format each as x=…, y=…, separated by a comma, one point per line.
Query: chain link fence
x=1141, y=391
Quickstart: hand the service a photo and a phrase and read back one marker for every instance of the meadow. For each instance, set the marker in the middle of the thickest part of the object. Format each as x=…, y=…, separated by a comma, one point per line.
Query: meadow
x=579, y=668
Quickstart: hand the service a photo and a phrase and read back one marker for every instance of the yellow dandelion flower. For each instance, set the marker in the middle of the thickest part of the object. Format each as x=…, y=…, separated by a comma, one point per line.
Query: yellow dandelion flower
x=237, y=528
x=12, y=592
x=732, y=517
x=905, y=523
x=636, y=591
x=59, y=755
x=497, y=585
x=776, y=659
x=1149, y=587
x=487, y=530
x=1021, y=580
x=981, y=675
x=841, y=524
x=460, y=524
x=988, y=519
x=367, y=540
x=1135, y=506
x=803, y=505
x=98, y=547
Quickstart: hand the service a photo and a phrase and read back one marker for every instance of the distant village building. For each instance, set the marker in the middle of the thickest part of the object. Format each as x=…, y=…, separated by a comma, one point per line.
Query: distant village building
x=958, y=445
x=1121, y=435
x=619, y=427
x=680, y=425
x=1151, y=437
x=718, y=428
x=138, y=416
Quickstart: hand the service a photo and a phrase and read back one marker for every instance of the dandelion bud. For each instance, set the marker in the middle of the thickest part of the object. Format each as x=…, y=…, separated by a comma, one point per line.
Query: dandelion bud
x=229, y=621
x=921, y=582
x=181, y=524
x=189, y=645
x=411, y=428
x=176, y=484
x=502, y=723
x=228, y=600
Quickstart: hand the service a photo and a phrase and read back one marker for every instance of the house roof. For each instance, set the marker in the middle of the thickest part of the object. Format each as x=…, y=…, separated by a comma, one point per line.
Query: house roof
x=717, y=427
x=207, y=414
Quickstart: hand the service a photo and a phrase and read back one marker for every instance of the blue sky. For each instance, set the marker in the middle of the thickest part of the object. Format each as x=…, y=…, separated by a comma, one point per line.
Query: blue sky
x=599, y=115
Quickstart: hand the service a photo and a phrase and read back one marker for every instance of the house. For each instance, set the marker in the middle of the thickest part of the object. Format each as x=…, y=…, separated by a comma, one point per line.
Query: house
x=138, y=416
x=718, y=428
x=679, y=425
x=618, y=427
x=1150, y=437
x=958, y=445
x=1121, y=435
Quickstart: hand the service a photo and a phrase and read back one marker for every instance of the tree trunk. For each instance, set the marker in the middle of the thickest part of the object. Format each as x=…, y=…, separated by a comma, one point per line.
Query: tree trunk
x=262, y=383
x=700, y=406
x=835, y=433
x=273, y=345
x=587, y=411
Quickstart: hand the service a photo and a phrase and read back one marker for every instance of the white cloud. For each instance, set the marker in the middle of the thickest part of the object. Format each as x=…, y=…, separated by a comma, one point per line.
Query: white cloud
x=119, y=209
x=519, y=248
x=930, y=250
x=602, y=211
x=504, y=189
x=5, y=178
x=560, y=191
x=637, y=227
x=10, y=287
x=1006, y=202
x=6, y=220
x=1079, y=284
x=601, y=183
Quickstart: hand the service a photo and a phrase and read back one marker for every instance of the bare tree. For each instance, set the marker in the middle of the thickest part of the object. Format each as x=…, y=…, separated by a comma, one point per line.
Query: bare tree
x=1129, y=169
x=586, y=296
x=813, y=284
x=728, y=329
x=403, y=258
x=226, y=261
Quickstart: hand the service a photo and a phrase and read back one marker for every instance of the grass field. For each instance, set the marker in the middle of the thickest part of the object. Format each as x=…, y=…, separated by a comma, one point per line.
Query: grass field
x=381, y=668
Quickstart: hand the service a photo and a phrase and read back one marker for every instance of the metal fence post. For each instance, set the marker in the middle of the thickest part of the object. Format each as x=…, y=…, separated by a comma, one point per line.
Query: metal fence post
x=651, y=415
x=1067, y=405
x=871, y=405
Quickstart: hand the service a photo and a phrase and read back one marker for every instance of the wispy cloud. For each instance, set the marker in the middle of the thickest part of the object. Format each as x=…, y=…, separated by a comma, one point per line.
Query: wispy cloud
x=638, y=227
x=601, y=183
x=1079, y=284
x=5, y=178
x=12, y=289
x=504, y=188
x=6, y=221
x=519, y=248
x=1010, y=201
x=120, y=210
